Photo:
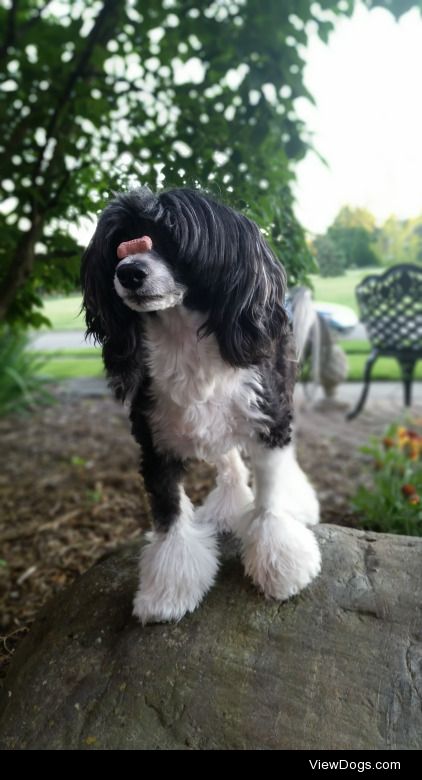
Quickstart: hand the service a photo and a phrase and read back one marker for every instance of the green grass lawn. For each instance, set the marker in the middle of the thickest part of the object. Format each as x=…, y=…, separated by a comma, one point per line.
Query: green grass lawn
x=341, y=289
x=71, y=368
x=384, y=369
x=64, y=312
x=71, y=363
x=353, y=346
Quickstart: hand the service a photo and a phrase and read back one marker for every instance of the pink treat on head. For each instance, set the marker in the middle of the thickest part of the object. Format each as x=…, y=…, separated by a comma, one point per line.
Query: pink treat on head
x=134, y=247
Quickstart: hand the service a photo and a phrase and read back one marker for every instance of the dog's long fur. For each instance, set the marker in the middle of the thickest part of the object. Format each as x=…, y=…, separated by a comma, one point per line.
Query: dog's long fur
x=203, y=352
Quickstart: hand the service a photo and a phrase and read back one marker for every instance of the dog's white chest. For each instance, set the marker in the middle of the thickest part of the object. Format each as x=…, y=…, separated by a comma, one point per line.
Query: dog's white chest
x=201, y=406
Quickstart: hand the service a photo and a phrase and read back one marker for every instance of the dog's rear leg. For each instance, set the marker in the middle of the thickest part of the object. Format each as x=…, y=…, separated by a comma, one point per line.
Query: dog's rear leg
x=280, y=554
x=179, y=561
x=231, y=496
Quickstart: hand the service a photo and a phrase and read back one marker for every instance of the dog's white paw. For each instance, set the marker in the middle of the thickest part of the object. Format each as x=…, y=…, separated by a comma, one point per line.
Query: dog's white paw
x=177, y=568
x=279, y=553
x=224, y=505
x=166, y=607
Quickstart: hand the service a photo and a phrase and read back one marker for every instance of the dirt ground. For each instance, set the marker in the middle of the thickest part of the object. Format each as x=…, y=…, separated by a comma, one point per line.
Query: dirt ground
x=70, y=491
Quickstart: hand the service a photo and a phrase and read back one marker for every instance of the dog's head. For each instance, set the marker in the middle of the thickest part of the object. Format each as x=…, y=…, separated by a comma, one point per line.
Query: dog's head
x=197, y=253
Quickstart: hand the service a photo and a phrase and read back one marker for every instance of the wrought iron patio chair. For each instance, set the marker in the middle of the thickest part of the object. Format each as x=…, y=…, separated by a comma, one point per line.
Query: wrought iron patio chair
x=390, y=306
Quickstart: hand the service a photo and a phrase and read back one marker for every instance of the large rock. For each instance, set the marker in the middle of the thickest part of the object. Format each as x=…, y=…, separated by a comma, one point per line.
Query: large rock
x=337, y=667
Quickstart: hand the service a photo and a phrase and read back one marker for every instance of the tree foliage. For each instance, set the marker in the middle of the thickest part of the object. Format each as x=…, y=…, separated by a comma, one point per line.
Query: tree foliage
x=329, y=257
x=354, y=240
x=349, y=217
x=95, y=96
x=353, y=234
x=400, y=240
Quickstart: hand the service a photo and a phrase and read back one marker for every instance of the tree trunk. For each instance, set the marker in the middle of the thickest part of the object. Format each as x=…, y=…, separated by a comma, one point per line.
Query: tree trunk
x=21, y=266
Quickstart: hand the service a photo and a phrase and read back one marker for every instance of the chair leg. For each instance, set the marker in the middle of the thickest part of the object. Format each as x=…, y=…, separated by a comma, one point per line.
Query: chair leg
x=407, y=366
x=366, y=380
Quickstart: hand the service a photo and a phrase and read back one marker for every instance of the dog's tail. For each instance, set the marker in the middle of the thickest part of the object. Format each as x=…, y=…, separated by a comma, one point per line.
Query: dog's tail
x=306, y=328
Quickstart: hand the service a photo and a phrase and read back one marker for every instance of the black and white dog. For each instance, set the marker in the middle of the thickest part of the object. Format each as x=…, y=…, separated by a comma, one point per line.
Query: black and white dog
x=186, y=299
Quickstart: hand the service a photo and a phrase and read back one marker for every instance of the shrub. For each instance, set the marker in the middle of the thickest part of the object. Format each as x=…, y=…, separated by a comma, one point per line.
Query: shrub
x=393, y=502
x=21, y=388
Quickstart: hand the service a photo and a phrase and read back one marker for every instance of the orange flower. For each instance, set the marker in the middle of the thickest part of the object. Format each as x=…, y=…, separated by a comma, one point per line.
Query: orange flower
x=409, y=442
x=408, y=490
x=414, y=499
x=388, y=442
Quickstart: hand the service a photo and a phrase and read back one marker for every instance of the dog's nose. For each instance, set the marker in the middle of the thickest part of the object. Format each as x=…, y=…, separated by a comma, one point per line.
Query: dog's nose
x=132, y=275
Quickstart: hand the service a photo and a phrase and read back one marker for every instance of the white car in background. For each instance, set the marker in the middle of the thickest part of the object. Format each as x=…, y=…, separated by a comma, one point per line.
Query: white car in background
x=341, y=319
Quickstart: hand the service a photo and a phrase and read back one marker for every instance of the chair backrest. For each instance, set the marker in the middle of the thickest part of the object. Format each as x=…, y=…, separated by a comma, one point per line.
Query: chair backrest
x=391, y=307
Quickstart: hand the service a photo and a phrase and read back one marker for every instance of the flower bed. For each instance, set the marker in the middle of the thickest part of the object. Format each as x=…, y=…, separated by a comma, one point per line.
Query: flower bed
x=393, y=502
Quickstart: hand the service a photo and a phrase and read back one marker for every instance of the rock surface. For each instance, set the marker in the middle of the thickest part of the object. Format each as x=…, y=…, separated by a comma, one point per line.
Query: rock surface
x=338, y=667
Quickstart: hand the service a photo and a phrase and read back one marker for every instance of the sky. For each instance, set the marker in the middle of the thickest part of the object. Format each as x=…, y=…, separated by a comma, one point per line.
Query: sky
x=367, y=123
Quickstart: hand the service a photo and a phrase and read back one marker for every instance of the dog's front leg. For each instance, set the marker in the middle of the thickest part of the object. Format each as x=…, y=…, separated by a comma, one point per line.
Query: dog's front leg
x=280, y=554
x=179, y=561
x=231, y=496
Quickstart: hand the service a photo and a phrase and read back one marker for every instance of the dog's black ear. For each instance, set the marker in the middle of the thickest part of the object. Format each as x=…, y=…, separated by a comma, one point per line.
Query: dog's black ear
x=230, y=272
x=92, y=298
x=249, y=315
x=108, y=320
x=111, y=323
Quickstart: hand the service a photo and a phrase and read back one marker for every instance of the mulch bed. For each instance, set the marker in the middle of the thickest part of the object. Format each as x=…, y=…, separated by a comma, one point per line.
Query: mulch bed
x=70, y=492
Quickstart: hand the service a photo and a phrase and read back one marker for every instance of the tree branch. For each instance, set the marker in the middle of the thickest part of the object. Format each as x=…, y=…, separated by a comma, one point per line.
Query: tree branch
x=21, y=264
x=102, y=29
x=62, y=254
x=10, y=32
x=13, y=33
x=55, y=198
x=33, y=19
x=17, y=135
